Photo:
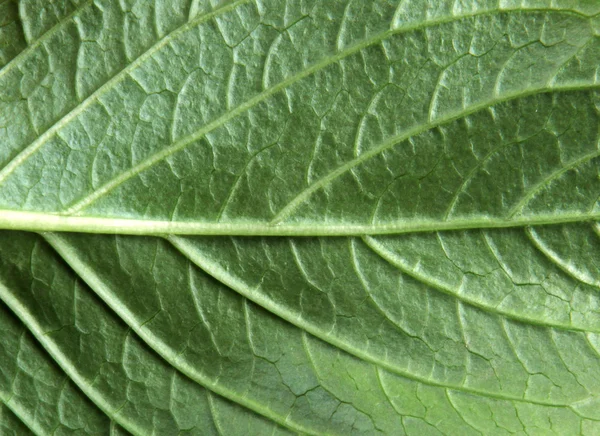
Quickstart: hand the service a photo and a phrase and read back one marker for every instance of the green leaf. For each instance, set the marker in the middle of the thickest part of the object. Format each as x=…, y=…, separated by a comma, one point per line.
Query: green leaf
x=12, y=40
x=469, y=116
x=98, y=351
x=35, y=394
x=348, y=340
x=10, y=424
x=269, y=217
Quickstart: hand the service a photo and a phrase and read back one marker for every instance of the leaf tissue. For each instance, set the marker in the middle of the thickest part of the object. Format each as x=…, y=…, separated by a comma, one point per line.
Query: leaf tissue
x=300, y=217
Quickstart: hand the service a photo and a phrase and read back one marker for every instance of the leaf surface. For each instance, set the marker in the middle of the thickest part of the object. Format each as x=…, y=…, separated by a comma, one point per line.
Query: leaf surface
x=468, y=117
x=270, y=217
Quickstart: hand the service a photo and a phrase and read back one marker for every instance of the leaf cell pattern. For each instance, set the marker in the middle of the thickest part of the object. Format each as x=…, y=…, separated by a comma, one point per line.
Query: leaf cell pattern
x=339, y=217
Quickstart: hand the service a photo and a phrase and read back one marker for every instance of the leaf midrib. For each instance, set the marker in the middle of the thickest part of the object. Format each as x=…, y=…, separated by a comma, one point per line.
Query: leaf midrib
x=159, y=227
x=50, y=222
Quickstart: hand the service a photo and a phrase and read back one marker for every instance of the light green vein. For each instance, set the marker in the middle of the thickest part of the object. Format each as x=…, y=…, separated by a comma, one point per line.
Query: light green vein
x=49, y=222
x=213, y=413
x=398, y=13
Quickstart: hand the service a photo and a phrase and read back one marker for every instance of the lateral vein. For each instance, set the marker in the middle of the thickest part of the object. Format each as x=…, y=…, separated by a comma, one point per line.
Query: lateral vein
x=238, y=286
x=42, y=38
x=87, y=274
x=187, y=140
x=32, y=148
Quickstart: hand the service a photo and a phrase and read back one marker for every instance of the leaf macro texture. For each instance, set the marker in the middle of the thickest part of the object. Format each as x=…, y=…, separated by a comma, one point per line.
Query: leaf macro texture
x=300, y=217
